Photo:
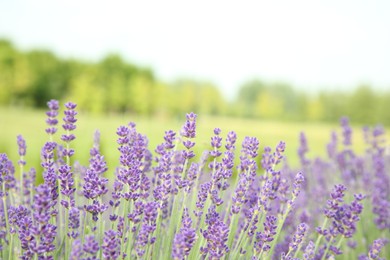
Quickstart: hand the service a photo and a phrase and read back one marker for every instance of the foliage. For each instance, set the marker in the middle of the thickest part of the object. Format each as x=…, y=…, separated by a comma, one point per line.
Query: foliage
x=108, y=86
x=112, y=85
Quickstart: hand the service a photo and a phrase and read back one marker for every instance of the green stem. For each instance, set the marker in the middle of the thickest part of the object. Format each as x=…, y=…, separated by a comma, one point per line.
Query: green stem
x=200, y=240
x=180, y=216
x=10, y=255
x=5, y=212
x=66, y=240
x=38, y=238
x=172, y=225
x=340, y=241
x=326, y=250
x=232, y=233
x=298, y=250
x=125, y=224
x=180, y=213
x=101, y=229
x=156, y=246
x=194, y=192
x=260, y=255
x=84, y=227
x=320, y=236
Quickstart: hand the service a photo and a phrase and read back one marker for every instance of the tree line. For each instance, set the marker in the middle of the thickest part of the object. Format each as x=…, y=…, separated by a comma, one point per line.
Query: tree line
x=113, y=85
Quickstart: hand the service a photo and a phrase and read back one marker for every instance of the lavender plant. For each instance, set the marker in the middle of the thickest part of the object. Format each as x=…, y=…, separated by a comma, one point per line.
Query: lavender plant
x=176, y=204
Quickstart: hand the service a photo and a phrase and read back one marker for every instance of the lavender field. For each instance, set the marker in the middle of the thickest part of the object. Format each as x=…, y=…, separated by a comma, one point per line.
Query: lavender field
x=199, y=190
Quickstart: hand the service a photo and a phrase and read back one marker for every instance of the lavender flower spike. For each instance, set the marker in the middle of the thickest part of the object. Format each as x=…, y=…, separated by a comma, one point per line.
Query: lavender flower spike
x=22, y=152
x=69, y=123
x=309, y=251
x=52, y=117
x=7, y=178
x=376, y=248
x=185, y=239
x=265, y=237
x=22, y=148
x=77, y=250
x=347, y=131
x=91, y=246
x=298, y=237
x=216, y=235
x=189, y=128
x=110, y=245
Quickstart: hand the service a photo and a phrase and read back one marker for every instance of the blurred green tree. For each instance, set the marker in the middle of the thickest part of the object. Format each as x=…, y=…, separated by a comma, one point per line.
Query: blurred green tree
x=248, y=97
x=361, y=105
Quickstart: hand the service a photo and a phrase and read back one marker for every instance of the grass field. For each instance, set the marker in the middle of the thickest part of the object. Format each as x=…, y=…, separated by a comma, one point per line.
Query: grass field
x=31, y=124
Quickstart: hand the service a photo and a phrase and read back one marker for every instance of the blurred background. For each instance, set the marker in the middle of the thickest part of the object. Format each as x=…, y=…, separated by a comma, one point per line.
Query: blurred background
x=265, y=68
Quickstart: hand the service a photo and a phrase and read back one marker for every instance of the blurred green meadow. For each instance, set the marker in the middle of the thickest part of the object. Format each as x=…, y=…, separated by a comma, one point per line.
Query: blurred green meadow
x=31, y=124
x=113, y=92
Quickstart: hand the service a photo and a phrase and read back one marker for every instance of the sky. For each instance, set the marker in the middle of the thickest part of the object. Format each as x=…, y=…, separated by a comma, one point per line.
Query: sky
x=309, y=44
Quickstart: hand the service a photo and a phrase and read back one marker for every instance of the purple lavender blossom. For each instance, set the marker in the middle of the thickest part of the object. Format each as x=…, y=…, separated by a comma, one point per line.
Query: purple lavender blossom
x=67, y=185
x=216, y=143
x=178, y=247
x=134, y=161
x=265, y=237
x=226, y=170
x=202, y=196
x=247, y=175
x=16, y=216
x=231, y=141
x=77, y=250
x=52, y=117
x=185, y=239
x=74, y=222
x=7, y=178
x=336, y=198
x=216, y=235
x=298, y=237
x=278, y=155
x=376, y=248
x=239, y=194
x=49, y=169
x=299, y=179
x=111, y=245
x=136, y=215
x=347, y=131
x=22, y=149
x=189, y=128
x=91, y=246
x=267, y=159
x=189, y=132
x=332, y=146
x=170, y=137
x=250, y=147
x=381, y=193
x=26, y=236
x=140, y=221
x=44, y=232
x=193, y=173
x=309, y=252
x=96, y=208
x=303, y=149
x=69, y=125
x=147, y=228
x=94, y=183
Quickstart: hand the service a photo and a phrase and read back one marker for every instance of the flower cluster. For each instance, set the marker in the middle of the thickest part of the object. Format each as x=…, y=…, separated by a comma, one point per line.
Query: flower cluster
x=174, y=203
